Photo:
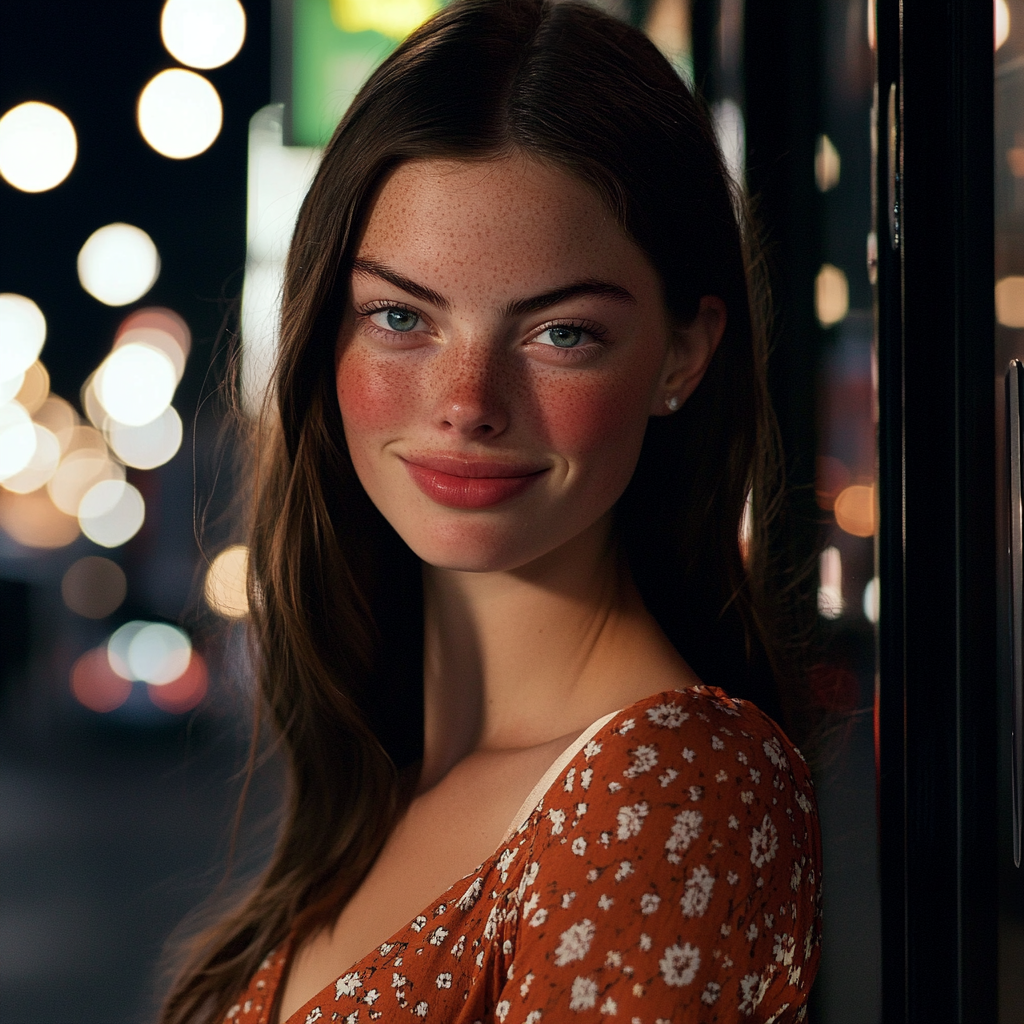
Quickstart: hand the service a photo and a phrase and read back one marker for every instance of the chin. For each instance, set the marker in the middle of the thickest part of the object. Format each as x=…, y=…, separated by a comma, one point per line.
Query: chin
x=463, y=546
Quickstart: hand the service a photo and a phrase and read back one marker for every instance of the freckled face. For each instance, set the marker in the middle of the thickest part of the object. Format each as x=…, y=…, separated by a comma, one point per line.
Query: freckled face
x=501, y=352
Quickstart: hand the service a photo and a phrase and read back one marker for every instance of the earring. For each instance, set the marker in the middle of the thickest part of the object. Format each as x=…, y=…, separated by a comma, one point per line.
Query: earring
x=673, y=402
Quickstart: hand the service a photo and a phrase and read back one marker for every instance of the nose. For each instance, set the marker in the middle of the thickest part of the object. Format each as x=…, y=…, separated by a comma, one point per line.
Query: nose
x=471, y=401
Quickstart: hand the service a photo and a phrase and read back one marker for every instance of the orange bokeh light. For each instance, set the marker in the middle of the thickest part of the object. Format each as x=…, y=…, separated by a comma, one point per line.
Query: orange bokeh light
x=185, y=692
x=855, y=510
x=95, y=684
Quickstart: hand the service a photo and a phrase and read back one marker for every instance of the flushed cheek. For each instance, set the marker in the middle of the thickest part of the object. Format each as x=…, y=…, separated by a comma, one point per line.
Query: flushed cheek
x=373, y=394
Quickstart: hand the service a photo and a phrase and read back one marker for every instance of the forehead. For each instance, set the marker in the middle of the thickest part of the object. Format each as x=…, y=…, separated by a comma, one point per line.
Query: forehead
x=509, y=222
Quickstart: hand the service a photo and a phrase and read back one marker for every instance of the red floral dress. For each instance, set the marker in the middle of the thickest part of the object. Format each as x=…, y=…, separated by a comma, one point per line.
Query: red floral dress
x=670, y=873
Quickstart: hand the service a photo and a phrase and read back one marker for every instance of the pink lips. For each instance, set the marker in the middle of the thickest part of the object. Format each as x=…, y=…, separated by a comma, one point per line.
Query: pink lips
x=469, y=483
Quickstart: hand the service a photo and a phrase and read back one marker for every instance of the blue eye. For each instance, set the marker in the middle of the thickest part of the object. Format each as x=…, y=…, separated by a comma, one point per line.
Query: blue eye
x=401, y=320
x=564, y=336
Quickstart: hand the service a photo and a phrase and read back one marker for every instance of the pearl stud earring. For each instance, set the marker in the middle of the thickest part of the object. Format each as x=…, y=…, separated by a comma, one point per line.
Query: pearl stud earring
x=673, y=402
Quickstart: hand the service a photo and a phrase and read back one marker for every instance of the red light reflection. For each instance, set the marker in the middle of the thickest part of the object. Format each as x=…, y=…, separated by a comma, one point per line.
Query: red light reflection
x=95, y=684
x=186, y=691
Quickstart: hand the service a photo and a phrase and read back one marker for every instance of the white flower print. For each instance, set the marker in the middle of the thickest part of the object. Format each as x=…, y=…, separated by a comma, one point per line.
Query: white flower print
x=567, y=898
x=769, y=921
x=624, y=870
x=539, y=918
x=570, y=777
x=557, y=818
x=755, y=775
x=773, y=751
x=794, y=880
x=793, y=977
x=592, y=749
x=437, y=936
x=686, y=826
x=747, y=796
x=764, y=842
x=505, y=861
x=614, y=787
x=531, y=904
x=631, y=820
x=352, y=1018
x=666, y=778
x=668, y=716
x=610, y=1007
x=444, y=980
x=583, y=994
x=420, y=921
x=605, y=901
x=613, y=958
x=732, y=878
x=784, y=949
x=469, y=897
x=649, y=902
x=712, y=990
x=585, y=777
x=689, y=754
x=696, y=793
x=371, y=997
x=679, y=965
x=421, y=1008
x=752, y=990
x=575, y=944
x=398, y=980
x=752, y=933
x=721, y=775
x=697, y=896
x=579, y=846
x=629, y=723
x=717, y=743
x=314, y=1015
x=645, y=941
x=347, y=985
x=803, y=803
x=645, y=757
x=501, y=1010
x=532, y=1017
x=524, y=989
x=734, y=822
x=459, y=948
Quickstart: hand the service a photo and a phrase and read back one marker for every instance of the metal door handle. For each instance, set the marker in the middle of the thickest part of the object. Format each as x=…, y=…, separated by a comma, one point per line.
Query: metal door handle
x=1015, y=540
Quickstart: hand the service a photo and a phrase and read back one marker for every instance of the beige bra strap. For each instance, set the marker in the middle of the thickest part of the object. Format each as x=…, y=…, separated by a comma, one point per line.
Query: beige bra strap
x=548, y=778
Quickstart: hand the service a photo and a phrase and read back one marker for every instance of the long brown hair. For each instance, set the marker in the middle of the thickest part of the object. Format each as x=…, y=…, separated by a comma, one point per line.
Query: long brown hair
x=335, y=595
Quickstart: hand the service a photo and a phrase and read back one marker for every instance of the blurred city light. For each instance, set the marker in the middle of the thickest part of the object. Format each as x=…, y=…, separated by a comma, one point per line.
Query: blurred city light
x=156, y=338
x=80, y=470
x=118, y=264
x=827, y=164
x=203, y=33
x=37, y=146
x=135, y=384
x=732, y=136
x=22, y=333
x=17, y=439
x=96, y=685
x=870, y=600
x=1010, y=301
x=855, y=510
x=111, y=512
x=35, y=387
x=1002, y=22
x=179, y=113
x=117, y=647
x=34, y=522
x=161, y=319
x=41, y=466
x=225, y=588
x=185, y=692
x=9, y=388
x=830, y=585
x=149, y=445
x=93, y=587
x=159, y=653
x=831, y=295
x=393, y=18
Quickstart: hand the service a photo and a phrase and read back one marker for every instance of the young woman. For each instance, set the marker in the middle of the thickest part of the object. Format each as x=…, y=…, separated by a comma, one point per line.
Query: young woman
x=519, y=409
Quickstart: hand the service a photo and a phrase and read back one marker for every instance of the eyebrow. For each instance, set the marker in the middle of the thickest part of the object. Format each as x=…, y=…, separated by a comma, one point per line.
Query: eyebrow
x=518, y=307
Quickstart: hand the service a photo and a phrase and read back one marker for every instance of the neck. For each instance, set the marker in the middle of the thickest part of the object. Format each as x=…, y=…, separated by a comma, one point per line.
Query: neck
x=519, y=658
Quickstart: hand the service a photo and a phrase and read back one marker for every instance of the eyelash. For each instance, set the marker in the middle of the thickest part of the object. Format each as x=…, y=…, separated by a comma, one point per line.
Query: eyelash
x=593, y=330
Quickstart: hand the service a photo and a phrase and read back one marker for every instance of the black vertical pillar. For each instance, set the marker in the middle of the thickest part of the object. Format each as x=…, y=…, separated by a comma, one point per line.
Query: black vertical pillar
x=937, y=549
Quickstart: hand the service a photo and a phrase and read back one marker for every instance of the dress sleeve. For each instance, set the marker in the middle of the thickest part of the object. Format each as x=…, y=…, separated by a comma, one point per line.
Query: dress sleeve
x=675, y=875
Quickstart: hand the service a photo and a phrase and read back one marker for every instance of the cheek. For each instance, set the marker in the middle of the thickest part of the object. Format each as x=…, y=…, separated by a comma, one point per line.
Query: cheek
x=372, y=395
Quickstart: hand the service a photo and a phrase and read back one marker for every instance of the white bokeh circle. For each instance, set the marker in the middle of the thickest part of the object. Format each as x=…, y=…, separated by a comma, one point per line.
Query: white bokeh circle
x=179, y=113
x=38, y=146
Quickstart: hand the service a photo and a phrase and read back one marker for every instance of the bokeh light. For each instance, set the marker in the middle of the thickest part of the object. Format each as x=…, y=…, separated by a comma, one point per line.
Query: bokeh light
x=827, y=164
x=179, y=113
x=17, y=439
x=830, y=584
x=1002, y=22
x=225, y=582
x=394, y=18
x=831, y=295
x=35, y=387
x=94, y=587
x=117, y=647
x=95, y=684
x=159, y=653
x=162, y=319
x=9, y=388
x=135, y=384
x=855, y=510
x=203, y=33
x=59, y=417
x=38, y=146
x=111, y=512
x=149, y=445
x=22, y=333
x=34, y=522
x=40, y=468
x=153, y=337
x=118, y=264
x=185, y=692
x=1010, y=301
x=870, y=601
x=79, y=470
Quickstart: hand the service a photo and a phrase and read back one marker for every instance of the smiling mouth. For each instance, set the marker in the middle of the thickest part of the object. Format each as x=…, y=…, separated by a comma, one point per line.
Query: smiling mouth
x=470, y=483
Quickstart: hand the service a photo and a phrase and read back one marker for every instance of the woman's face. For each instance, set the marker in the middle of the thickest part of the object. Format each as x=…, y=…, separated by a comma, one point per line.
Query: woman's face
x=502, y=349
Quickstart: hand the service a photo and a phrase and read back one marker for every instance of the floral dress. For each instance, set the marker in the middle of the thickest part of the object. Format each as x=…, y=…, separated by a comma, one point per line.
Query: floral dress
x=670, y=872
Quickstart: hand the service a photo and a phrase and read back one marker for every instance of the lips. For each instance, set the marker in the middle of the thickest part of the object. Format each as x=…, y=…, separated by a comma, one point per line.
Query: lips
x=470, y=483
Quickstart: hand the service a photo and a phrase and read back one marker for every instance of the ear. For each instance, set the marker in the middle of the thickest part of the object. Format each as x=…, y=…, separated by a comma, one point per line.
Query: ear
x=689, y=353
